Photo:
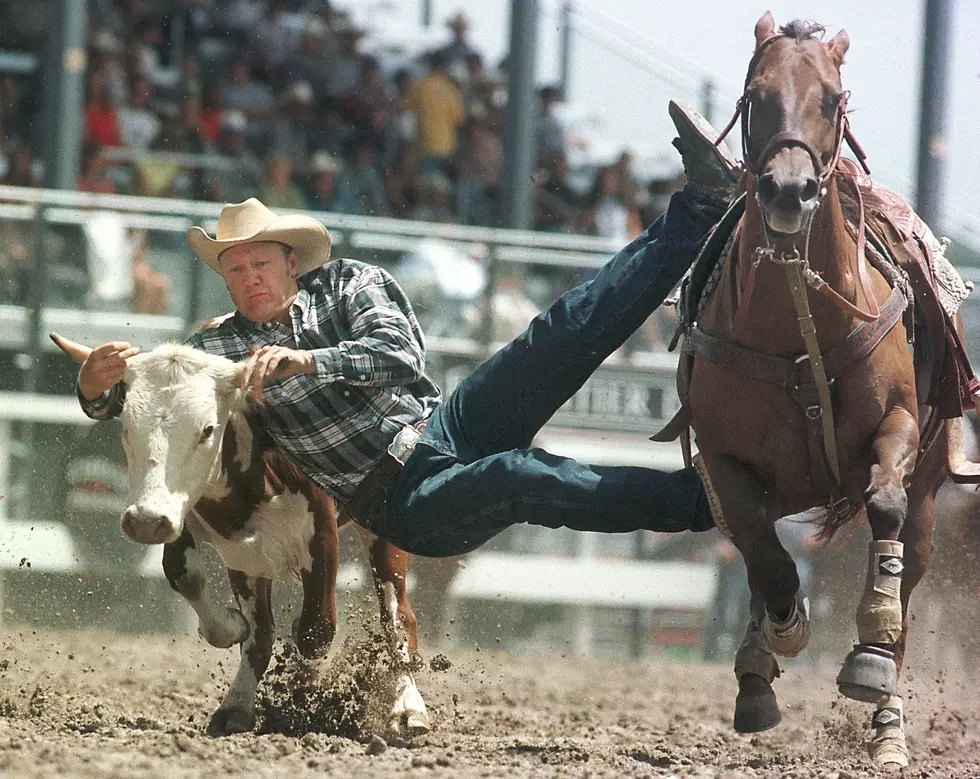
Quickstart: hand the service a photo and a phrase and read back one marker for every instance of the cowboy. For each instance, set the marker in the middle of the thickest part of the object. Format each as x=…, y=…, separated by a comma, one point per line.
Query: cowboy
x=336, y=359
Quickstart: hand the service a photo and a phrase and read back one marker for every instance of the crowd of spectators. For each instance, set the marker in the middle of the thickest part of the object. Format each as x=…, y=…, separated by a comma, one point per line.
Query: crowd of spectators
x=223, y=99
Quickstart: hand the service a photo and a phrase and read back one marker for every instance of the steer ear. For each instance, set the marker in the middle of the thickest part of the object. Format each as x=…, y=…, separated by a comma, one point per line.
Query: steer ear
x=78, y=352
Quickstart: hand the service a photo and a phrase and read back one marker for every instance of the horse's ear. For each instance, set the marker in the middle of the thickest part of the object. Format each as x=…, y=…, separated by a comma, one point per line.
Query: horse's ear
x=837, y=47
x=764, y=28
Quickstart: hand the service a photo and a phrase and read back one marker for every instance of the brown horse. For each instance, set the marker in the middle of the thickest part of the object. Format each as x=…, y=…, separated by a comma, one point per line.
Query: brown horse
x=803, y=390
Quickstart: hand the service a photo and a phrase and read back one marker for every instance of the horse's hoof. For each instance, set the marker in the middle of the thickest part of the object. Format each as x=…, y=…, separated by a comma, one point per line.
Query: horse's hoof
x=224, y=722
x=868, y=674
x=756, y=708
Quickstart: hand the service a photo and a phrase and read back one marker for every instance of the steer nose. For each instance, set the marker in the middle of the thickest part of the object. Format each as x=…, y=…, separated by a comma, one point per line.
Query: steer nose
x=788, y=193
x=144, y=528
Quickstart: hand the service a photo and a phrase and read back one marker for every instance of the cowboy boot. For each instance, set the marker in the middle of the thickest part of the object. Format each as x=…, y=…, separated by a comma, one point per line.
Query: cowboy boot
x=708, y=166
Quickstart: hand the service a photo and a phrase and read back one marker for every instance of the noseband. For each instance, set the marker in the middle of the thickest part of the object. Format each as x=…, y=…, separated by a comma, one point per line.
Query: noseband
x=789, y=138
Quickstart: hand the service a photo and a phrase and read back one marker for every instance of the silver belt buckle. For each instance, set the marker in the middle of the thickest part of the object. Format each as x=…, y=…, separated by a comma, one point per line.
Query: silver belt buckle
x=403, y=444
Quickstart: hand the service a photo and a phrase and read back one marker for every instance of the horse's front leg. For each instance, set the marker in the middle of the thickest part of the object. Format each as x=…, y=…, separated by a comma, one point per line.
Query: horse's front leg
x=236, y=714
x=869, y=671
x=887, y=747
x=779, y=618
x=408, y=716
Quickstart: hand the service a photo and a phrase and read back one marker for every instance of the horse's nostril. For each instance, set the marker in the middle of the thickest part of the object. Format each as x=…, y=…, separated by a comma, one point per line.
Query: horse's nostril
x=810, y=190
x=768, y=189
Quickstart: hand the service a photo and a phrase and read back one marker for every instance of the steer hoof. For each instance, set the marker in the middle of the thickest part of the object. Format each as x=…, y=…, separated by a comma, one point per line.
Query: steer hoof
x=230, y=630
x=224, y=722
x=756, y=708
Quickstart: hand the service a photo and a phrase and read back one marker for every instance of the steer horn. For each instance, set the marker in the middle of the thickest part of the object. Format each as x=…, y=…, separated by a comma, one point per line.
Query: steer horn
x=77, y=352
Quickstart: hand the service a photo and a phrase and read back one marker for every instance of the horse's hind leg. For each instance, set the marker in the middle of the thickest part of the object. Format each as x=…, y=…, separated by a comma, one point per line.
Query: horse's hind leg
x=779, y=619
x=869, y=672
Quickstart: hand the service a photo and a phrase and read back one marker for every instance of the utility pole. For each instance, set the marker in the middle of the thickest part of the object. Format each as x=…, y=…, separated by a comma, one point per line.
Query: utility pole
x=933, y=141
x=565, y=50
x=520, y=120
x=64, y=95
x=426, y=13
x=708, y=100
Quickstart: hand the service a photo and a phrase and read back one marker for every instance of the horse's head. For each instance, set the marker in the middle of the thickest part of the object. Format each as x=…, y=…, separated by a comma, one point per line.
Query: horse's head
x=793, y=119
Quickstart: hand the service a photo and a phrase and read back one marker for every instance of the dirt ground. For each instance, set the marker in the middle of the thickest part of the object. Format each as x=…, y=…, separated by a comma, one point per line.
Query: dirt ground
x=97, y=704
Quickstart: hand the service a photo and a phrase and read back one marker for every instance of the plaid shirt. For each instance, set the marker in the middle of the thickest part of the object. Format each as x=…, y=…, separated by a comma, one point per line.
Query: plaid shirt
x=369, y=354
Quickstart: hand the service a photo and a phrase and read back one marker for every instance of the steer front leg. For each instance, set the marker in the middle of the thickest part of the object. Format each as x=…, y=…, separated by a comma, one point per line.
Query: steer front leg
x=183, y=565
x=316, y=625
x=236, y=714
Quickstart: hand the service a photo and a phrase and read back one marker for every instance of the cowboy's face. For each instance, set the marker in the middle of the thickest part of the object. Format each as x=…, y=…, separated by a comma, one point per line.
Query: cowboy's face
x=261, y=279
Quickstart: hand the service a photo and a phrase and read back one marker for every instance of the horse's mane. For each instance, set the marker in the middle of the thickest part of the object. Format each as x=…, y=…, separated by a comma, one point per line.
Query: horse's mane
x=803, y=30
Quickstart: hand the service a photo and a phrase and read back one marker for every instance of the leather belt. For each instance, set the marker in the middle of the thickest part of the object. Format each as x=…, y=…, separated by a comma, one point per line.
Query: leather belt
x=393, y=460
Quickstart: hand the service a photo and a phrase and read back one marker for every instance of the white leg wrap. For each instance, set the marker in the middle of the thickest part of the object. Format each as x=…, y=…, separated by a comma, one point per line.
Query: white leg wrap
x=789, y=638
x=879, y=615
x=887, y=746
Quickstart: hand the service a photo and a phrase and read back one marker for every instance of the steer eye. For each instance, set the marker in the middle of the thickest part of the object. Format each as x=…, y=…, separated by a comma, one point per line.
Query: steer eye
x=206, y=433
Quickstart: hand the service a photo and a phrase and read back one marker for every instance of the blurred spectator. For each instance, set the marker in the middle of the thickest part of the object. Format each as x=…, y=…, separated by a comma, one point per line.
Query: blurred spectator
x=20, y=166
x=365, y=182
x=659, y=192
x=329, y=190
x=249, y=96
x=479, y=159
x=148, y=37
x=317, y=48
x=190, y=132
x=191, y=82
x=557, y=204
x=138, y=122
x=438, y=108
x=629, y=187
x=237, y=183
x=458, y=50
x=550, y=133
x=369, y=108
x=94, y=178
x=212, y=111
x=108, y=60
x=159, y=175
x=401, y=179
x=605, y=213
x=277, y=189
x=275, y=39
x=344, y=72
x=290, y=131
x=330, y=132
x=434, y=193
x=101, y=120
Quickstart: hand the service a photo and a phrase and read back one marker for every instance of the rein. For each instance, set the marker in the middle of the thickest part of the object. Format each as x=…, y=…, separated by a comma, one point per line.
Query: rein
x=814, y=397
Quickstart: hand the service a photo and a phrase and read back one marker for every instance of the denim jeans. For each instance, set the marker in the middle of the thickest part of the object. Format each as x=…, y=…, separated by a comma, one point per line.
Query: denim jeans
x=472, y=474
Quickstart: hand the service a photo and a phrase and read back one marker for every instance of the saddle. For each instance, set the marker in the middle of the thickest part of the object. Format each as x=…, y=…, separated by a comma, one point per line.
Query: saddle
x=904, y=249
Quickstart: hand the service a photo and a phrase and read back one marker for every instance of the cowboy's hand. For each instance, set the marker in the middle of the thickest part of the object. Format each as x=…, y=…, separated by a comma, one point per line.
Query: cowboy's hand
x=274, y=362
x=104, y=367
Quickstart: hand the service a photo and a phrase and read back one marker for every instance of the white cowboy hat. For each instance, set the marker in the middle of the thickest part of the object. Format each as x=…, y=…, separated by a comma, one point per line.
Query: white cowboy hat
x=250, y=222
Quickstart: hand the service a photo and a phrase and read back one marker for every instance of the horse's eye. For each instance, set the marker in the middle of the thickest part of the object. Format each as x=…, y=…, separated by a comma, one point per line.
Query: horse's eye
x=206, y=433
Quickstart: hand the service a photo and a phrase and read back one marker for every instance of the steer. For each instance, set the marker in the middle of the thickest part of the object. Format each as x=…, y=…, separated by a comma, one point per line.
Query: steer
x=203, y=470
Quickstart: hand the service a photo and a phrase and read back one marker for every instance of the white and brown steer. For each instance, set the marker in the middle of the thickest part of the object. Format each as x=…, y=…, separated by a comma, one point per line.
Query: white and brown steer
x=203, y=470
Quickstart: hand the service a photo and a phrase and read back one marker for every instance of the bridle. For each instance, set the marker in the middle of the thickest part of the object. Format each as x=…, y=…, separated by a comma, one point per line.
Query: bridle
x=789, y=138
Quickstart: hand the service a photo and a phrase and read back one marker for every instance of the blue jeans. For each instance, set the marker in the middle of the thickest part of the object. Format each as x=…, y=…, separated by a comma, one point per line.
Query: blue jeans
x=472, y=474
